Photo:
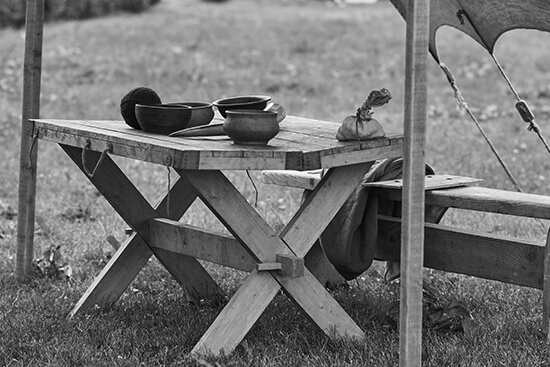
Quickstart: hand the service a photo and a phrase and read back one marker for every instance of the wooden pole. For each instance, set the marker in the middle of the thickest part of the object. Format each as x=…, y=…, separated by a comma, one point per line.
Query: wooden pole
x=29, y=147
x=412, y=245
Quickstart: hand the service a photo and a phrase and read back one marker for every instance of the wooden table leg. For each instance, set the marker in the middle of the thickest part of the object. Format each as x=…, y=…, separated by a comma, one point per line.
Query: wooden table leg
x=314, y=215
x=346, y=179
x=319, y=305
x=123, y=196
x=264, y=244
x=239, y=315
x=546, y=290
x=301, y=233
x=116, y=276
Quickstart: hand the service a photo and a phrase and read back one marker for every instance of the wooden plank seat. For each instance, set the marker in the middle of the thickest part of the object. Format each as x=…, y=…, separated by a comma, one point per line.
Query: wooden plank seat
x=485, y=255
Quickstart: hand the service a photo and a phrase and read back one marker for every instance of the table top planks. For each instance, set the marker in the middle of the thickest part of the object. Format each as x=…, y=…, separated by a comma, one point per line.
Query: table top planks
x=302, y=144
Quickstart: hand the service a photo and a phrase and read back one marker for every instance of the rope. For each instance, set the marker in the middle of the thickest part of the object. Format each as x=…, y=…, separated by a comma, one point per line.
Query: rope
x=86, y=148
x=463, y=105
x=169, y=184
x=32, y=166
x=255, y=189
x=522, y=107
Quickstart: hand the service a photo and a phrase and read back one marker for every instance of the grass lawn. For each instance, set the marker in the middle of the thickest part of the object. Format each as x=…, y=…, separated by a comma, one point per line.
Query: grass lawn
x=317, y=61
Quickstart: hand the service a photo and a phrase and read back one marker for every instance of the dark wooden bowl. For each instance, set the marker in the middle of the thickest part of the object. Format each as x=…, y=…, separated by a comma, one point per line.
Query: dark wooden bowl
x=251, y=127
x=241, y=103
x=163, y=118
x=202, y=112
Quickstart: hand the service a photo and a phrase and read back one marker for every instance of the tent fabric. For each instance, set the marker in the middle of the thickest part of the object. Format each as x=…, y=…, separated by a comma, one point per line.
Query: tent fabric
x=351, y=239
x=484, y=21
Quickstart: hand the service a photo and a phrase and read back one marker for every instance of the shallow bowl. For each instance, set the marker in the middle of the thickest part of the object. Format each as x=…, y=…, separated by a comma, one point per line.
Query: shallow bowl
x=163, y=118
x=202, y=113
x=241, y=103
x=251, y=127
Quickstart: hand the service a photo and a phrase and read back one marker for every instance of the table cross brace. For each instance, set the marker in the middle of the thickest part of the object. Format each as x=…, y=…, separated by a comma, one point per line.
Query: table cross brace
x=247, y=226
x=134, y=253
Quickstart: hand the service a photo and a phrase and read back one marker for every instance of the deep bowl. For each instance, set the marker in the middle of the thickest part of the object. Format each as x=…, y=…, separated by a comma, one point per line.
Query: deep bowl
x=202, y=113
x=163, y=118
x=241, y=103
x=251, y=127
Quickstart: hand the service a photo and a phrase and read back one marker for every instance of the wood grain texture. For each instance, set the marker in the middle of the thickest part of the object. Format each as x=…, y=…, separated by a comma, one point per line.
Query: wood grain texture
x=308, y=145
x=135, y=211
x=200, y=243
x=291, y=266
x=316, y=212
x=306, y=180
x=416, y=91
x=484, y=199
x=232, y=209
x=320, y=306
x=487, y=256
x=115, y=277
x=264, y=245
x=355, y=157
x=479, y=254
x=302, y=144
x=239, y=315
x=431, y=182
x=176, y=237
x=28, y=160
x=492, y=200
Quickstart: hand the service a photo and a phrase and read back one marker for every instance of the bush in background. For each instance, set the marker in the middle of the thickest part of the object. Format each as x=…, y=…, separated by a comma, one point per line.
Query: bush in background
x=12, y=12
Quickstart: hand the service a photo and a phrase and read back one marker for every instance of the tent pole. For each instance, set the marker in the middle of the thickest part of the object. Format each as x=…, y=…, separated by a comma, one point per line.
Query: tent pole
x=32, y=65
x=412, y=245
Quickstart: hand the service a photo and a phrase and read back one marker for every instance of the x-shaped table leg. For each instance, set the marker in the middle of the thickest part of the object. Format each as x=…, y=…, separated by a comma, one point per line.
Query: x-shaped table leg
x=258, y=290
x=130, y=204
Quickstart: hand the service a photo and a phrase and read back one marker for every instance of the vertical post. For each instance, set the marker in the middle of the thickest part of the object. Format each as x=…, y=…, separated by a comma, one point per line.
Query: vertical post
x=412, y=245
x=546, y=290
x=32, y=65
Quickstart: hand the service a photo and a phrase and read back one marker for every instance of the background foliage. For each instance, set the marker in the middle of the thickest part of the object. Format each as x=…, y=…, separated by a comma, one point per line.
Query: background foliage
x=12, y=12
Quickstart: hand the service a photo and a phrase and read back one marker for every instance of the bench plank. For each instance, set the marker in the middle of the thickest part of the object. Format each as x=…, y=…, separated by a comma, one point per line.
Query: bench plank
x=431, y=182
x=484, y=199
x=464, y=197
x=484, y=255
x=506, y=259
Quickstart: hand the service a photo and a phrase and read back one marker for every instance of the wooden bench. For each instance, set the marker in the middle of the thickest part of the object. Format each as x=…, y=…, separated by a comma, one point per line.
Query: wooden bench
x=485, y=255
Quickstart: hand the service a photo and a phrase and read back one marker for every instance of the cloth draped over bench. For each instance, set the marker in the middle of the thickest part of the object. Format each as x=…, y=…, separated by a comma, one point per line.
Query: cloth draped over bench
x=351, y=239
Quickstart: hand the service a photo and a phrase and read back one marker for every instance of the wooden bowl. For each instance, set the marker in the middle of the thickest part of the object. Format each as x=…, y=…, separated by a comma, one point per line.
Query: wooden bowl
x=241, y=103
x=202, y=113
x=163, y=118
x=251, y=127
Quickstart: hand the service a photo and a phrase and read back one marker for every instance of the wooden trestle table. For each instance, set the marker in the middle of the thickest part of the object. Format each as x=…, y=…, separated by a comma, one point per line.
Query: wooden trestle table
x=274, y=260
